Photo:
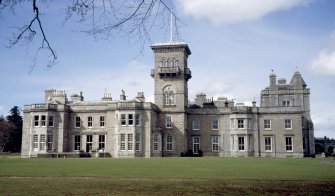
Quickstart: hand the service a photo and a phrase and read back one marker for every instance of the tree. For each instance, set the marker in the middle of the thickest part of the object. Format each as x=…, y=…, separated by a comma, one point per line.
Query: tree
x=5, y=133
x=106, y=19
x=15, y=119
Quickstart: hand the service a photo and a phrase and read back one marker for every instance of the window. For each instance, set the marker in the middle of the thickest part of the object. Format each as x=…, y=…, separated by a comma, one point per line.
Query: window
x=90, y=121
x=215, y=143
x=50, y=142
x=36, y=119
x=168, y=122
x=215, y=124
x=123, y=142
x=77, y=122
x=43, y=120
x=77, y=142
x=155, y=142
x=42, y=142
x=50, y=121
x=101, y=142
x=241, y=143
x=130, y=119
x=289, y=145
x=268, y=144
x=130, y=141
x=286, y=103
x=267, y=124
x=288, y=124
x=196, y=145
x=137, y=142
x=35, y=142
x=89, y=142
x=102, y=121
x=169, y=96
x=169, y=143
x=123, y=119
x=240, y=123
x=195, y=125
x=137, y=119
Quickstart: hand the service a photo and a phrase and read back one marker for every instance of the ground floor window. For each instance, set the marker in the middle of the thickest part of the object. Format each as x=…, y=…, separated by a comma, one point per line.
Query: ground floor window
x=77, y=142
x=215, y=143
x=42, y=142
x=35, y=142
x=130, y=141
x=123, y=142
x=89, y=143
x=137, y=142
x=155, y=142
x=241, y=143
x=169, y=142
x=289, y=144
x=50, y=142
x=268, y=144
x=101, y=142
x=196, y=145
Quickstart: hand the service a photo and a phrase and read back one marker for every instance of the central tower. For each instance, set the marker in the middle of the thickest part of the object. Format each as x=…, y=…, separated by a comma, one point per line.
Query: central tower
x=171, y=74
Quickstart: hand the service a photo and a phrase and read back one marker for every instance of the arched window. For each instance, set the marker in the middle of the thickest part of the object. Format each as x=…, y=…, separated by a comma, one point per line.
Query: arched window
x=169, y=96
x=169, y=143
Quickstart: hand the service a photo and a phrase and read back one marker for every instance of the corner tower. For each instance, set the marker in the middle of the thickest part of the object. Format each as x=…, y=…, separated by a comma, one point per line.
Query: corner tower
x=171, y=74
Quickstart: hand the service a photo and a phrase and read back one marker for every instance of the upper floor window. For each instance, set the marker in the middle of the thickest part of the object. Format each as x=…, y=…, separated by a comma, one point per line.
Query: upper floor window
x=195, y=125
x=215, y=124
x=77, y=121
x=288, y=124
x=169, y=62
x=169, y=96
x=102, y=121
x=130, y=119
x=240, y=123
x=50, y=121
x=286, y=103
x=36, y=120
x=168, y=122
x=137, y=119
x=123, y=119
x=90, y=121
x=267, y=124
x=43, y=120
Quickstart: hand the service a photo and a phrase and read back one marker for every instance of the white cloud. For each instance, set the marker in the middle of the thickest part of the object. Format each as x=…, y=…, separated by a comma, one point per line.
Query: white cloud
x=234, y=11
x=324, y=63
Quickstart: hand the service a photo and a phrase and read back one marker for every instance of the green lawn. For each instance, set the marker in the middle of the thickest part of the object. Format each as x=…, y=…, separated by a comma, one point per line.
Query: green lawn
x=166, y=176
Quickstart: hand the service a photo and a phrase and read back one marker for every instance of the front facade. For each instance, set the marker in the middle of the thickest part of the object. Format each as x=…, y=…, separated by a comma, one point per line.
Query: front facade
x=172, y=126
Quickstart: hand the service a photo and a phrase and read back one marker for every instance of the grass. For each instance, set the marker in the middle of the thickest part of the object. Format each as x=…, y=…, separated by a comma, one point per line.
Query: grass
x=167, y=176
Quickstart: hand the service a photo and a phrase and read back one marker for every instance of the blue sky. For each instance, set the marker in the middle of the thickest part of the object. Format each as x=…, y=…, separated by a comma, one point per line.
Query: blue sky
x=234, y=45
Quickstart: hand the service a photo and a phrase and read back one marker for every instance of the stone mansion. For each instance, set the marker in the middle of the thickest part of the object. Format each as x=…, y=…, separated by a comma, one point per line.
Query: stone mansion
x=171, y=126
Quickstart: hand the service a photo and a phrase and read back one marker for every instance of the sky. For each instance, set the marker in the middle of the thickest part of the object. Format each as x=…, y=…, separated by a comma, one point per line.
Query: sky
x=234, y=43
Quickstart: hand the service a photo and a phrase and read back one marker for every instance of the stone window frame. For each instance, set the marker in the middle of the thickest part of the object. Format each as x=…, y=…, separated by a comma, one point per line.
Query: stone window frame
x=130, y=142
x=268, y=144
x=240, y=123
x=138, y=119
x=51, y=121
x=102, y=142
x=289, y=144
x=42, y=142
x=77, y=142
x=169, y=93
x=155, y=142
x=267, y=124
x=169, y=142
x=241, y=143
x=215, y=144
x=123, y=120
x=122, y=142
x=130, y=119
x=195, y=125
x=90, y=121
x=43, y=120
x=286, y=103
x=168, y=122
x=288, y=124
x=50, y=142
x=196, y=144
x=36, y=120
x=102, y=121
x=35, y=142
x=138, y=142
x=89, y=142
x=77, y=122
x=215, y=126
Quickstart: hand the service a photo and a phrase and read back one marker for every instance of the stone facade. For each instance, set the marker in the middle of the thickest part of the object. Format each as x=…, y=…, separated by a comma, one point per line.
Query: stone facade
x=280, y=127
